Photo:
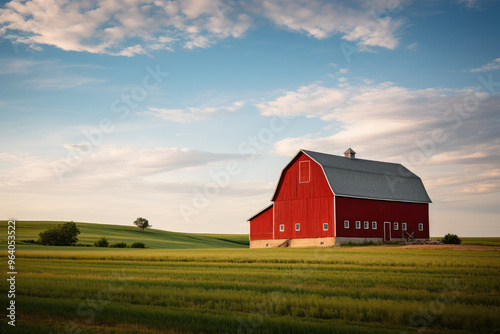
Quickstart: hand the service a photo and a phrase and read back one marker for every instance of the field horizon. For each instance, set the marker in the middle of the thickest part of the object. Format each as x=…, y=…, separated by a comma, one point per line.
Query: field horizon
x=199, y=283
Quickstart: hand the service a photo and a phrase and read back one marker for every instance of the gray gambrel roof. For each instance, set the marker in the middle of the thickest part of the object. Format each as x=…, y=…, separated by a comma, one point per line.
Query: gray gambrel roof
x=370, y=179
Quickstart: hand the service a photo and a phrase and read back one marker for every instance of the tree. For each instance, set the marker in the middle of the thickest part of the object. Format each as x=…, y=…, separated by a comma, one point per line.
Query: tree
x=103, y=242
x=142, y=223
x=452, y=239
x=60, y=235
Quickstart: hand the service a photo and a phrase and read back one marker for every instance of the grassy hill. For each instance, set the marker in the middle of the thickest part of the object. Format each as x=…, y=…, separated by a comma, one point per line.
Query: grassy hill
x=156, y=239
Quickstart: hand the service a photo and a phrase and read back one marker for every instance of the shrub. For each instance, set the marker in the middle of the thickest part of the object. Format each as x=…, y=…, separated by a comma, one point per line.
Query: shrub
x=103, y=242
x=60, y=235
x=138, y=244
x=452, y=239
x=119, y=245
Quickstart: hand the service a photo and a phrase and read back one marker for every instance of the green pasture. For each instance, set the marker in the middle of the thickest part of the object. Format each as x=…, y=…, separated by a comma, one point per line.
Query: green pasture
x=29, y=230
x=199, y=283
x=491, y=241
x=327, y=290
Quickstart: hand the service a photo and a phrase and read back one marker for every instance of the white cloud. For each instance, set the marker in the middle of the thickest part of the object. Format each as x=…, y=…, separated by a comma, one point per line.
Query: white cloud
x=470, y=3
x=190, y=114
x=343, y=71
x=309, y=101
x=118, y=28
x=322, y=19
x=412, y=46
x=138, y=27
x=445, y=135
x=491, y=66
x=107, y=164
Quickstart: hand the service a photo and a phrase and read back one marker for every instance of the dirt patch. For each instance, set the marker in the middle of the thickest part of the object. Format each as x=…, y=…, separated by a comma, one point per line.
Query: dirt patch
x=454, y=247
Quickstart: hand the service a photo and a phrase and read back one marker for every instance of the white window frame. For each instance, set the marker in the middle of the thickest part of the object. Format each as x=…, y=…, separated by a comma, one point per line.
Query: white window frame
x=325, y=225
x=358, y=224
x=308, y=169
x=366, y=225
x=282, y=227
x=346, y=224
x=297, y=227
x=374, y=225
x=404, y=226
x=420, y=227
x=396, y=226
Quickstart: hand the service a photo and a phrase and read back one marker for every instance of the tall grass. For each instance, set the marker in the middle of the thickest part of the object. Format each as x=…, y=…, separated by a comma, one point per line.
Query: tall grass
x=341, y=290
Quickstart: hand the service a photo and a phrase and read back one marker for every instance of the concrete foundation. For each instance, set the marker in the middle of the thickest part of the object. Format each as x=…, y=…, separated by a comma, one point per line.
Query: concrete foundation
x=317, y=242
x=306, y=242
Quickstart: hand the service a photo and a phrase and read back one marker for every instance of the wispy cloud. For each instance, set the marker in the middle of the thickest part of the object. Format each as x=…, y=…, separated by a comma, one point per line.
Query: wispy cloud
x=322, y=19
x=491, y=66
x=109, y=164
x=412, y=46
x=116, y=27
x=398, y=124
x=191, y=114
x=139, y=27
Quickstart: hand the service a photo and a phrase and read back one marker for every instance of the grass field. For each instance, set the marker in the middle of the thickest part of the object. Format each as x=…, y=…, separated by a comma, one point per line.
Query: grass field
x=155, y=239
x=477, y=241
x=368, y=289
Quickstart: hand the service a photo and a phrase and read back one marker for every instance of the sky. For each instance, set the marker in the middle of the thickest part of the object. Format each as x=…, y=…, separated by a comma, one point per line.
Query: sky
x=185, y=112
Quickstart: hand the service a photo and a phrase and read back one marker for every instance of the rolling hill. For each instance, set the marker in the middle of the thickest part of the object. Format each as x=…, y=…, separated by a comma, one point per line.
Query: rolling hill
x=156, y=239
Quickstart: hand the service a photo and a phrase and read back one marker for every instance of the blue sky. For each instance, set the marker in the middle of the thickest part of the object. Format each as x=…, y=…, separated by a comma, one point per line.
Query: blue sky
x=185, y=112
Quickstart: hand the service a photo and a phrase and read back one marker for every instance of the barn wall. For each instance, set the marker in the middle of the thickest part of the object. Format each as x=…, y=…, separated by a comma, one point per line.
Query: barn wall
x=354, y=209
x=261, y=227
x=308, y=203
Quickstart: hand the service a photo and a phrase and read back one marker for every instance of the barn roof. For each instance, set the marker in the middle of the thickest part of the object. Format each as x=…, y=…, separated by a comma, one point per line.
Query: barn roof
x=261, y=212
x=352, y=177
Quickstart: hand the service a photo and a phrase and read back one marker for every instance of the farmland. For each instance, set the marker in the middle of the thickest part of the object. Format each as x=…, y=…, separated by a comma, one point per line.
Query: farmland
x=239, y=290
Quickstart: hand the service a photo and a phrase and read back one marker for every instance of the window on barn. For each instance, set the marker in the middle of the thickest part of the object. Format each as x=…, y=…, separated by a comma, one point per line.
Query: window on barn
x=297, y=227
x=403, y=226
x=346, y=224
x=325, y=227
x=304, y=172
x=396, y=226
x=358, y=224
x=420, y=226
x=282, y=227
x=374, y=225
x=367, y=224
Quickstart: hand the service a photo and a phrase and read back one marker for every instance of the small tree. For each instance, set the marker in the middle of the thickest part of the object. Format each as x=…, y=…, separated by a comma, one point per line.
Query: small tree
x=142, y=223
x=138, y=244
x=60, y=235
x=119, y=245
x=452, y=239
x=103, y=242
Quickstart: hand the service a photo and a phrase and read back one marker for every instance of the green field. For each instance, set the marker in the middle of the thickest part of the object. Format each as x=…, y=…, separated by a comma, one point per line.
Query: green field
x=155, y=239
x=370, y=289
x=477, y=241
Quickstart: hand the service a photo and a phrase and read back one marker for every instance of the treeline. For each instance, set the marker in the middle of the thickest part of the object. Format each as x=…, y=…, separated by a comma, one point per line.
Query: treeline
x=67, y=235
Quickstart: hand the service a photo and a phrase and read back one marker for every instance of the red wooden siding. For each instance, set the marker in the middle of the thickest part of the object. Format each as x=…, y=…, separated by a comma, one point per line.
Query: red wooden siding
x=308, y=203
x=354, y=209
x=261, y=226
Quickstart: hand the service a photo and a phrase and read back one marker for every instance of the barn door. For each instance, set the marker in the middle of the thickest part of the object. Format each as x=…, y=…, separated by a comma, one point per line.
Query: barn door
x=387, y=231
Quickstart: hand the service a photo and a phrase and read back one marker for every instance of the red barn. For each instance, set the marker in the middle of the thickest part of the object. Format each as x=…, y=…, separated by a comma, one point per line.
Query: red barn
x=325, y=200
